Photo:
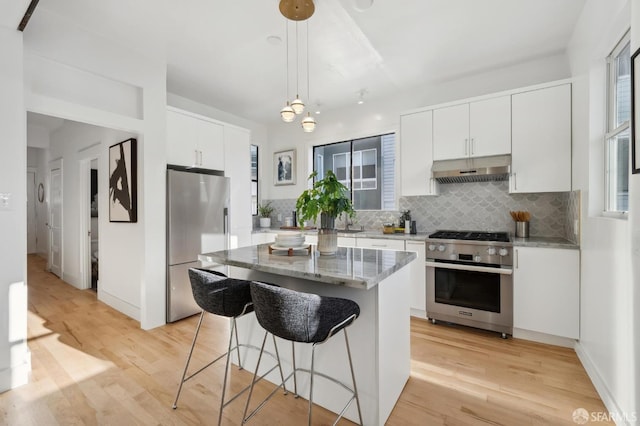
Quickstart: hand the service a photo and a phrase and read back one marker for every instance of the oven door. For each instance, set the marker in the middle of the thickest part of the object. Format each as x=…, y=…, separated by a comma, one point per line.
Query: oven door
x=477, y=296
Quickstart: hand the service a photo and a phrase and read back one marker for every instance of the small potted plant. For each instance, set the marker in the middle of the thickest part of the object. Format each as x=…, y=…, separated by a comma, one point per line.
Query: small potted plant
x=265, y=210
x=329, y=199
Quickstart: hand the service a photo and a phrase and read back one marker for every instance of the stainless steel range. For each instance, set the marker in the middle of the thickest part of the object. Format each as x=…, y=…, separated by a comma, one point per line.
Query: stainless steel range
x=469, y=279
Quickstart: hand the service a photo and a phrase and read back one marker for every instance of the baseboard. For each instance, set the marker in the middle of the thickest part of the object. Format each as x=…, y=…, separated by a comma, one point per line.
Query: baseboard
x=119, y=305
x=592, y=371
x=18, y=375
x=548, y=339
x=420, y=313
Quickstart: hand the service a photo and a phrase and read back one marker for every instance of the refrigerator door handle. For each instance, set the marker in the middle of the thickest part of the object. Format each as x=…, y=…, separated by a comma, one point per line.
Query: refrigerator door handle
x=225, y=227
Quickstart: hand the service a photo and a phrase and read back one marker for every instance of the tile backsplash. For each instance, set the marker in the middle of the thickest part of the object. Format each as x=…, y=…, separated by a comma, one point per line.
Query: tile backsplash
x=475, y=206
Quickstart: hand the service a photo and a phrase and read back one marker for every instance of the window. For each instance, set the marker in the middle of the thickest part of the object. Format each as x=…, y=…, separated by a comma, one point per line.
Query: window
x=365, y=166
x=253, y=150
x=618, y=133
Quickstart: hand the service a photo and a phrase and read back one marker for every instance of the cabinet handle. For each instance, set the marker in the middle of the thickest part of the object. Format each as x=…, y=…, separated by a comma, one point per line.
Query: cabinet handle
x=200, y=157
x=473, y=150
x=466, y=147
x=378, y=245
x=516, y=262
x=515, y=182
x=195, y=161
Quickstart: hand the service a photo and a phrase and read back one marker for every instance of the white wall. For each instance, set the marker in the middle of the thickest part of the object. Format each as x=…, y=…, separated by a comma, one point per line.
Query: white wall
x=120, y=245
x=606, y=346
x=60, y=46
x=383, y=115
x=14, y=354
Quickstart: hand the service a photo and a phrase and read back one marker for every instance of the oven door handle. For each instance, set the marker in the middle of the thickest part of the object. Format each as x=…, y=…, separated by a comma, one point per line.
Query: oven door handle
x=459, y=267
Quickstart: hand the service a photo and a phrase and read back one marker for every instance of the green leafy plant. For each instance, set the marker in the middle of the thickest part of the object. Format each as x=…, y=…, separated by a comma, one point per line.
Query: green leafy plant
x=327, y=196
x=265, y=210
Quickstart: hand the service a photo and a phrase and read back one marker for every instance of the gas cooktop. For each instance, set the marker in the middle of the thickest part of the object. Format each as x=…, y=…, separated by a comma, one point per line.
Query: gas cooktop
x=471, y=236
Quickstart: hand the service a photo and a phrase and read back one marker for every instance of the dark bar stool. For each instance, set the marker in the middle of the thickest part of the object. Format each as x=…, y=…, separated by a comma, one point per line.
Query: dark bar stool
x=220, y=295
x=305, y=318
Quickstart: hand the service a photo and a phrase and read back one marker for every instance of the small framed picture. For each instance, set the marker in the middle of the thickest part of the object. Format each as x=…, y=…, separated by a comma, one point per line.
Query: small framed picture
x=284, y=167
x=123, y=182
x=635, y=112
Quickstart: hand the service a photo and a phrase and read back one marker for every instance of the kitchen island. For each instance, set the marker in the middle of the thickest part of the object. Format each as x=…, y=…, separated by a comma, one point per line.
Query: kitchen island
x=380, y=338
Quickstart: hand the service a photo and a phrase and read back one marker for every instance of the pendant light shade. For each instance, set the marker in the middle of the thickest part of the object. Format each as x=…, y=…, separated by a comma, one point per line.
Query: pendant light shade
x=297, y=105
x=287, y=113
x=308, y=123
x=297, y=10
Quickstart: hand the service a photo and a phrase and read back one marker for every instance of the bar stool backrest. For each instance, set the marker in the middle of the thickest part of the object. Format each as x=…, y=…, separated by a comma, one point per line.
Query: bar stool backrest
x=218, y=294
x=300, y=317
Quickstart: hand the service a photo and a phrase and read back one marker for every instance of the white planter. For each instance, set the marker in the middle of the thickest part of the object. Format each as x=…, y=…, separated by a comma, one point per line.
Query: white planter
x=265, y=222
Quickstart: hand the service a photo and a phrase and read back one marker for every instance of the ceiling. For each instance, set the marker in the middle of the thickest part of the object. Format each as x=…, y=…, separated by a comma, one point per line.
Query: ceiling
x=218, y=52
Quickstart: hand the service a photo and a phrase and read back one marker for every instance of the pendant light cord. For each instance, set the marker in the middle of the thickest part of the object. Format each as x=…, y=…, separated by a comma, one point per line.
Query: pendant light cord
x=287, y=35
x=297, y=63
x=308, y=97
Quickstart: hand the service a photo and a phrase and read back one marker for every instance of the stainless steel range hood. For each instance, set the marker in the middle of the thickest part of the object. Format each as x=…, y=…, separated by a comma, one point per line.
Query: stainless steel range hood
x=480, y=169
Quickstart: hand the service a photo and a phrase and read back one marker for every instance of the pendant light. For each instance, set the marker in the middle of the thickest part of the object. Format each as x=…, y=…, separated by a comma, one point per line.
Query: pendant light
x=287, y=113
x=308, y=123
x=297, y=104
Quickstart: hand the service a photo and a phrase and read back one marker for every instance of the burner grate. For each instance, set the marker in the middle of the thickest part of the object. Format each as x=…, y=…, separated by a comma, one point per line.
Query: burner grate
x=471, y=236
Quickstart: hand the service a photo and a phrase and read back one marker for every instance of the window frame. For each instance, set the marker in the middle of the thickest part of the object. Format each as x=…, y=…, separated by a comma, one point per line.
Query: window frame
x=612, y=129
x=379, y=163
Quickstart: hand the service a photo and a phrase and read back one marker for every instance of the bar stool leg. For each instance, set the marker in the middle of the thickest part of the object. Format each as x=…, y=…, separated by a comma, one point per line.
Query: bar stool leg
x=184, y=373
x=235, y=327
x=253, y=382
x=353, y=376
x=275, y=345
x=313, y=351
x=226, y=369
x=295, y=382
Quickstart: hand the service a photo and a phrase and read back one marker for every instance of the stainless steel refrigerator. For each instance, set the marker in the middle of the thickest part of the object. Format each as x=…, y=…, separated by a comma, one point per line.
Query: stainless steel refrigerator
x=197, y=222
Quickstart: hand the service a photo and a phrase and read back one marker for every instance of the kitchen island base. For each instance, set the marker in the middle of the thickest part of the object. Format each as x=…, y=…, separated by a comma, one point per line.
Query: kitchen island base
x=379, y=340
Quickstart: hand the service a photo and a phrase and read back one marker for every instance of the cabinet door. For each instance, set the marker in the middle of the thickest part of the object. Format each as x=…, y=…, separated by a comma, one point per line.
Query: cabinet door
x=181, y=139
x=418, y=279
x=263, y=237
x=416, y=154
x=451, y=132
x=546, y=291
x=541, y=140
x=346, y=242
x=211, y=145
x=490, y=127
x=237, y=167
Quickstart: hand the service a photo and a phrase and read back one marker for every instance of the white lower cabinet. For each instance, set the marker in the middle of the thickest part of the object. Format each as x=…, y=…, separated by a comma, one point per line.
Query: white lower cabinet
x=546, y=291
x=263, y=237
x=418, y=279
x=380, y=243
x=346, y=242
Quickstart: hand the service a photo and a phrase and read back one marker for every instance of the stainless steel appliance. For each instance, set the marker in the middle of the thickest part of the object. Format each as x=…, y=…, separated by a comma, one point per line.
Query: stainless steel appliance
x=472, y=169
x=197, y=222
x=469, y=279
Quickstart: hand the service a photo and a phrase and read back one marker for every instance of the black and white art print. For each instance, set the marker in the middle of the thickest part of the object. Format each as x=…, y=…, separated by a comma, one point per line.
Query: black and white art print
x=123, y=167
x=284, y=167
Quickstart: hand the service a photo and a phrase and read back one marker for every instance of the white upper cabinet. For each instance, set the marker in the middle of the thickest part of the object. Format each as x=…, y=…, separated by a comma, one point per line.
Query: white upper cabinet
x=416, y=149
x=541, y=140
x=194, y=142
x=472, y=129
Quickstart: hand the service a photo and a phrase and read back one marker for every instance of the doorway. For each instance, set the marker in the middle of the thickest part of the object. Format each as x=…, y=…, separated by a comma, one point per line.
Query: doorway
x=93, y=232
x=32, y=216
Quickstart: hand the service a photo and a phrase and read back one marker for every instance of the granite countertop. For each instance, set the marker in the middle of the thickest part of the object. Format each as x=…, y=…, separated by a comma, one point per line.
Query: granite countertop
x=548, y=242
x=352, y=267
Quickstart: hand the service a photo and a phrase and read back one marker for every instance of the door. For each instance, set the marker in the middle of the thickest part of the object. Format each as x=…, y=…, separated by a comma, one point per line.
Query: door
x=32, y=241
x=490, y=127
x=451, y=132
x=55, y=218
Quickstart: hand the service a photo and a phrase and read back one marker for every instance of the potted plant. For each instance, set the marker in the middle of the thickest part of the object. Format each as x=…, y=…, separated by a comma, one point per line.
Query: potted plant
x=265, y=210
x=329, y=199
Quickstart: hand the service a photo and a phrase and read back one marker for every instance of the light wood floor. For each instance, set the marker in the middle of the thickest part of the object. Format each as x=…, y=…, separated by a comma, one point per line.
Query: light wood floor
x=92, y=365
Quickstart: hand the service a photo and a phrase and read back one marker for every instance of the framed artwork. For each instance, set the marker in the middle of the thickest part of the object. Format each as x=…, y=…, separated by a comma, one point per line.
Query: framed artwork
x=635, y=112
x=284, y=167
x=123, y=182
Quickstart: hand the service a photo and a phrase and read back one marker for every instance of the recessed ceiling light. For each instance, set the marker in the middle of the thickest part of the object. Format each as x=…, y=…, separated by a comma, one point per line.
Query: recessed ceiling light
x=274, y=40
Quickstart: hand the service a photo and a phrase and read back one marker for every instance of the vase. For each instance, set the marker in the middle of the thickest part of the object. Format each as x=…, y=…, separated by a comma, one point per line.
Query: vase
x=327, y=236
x=265, y=222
